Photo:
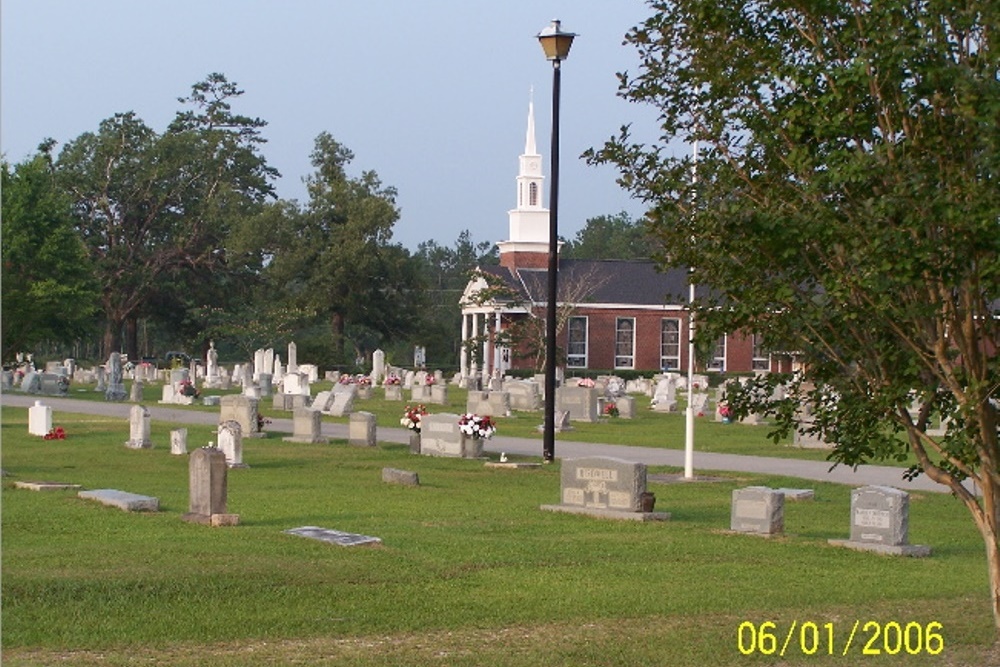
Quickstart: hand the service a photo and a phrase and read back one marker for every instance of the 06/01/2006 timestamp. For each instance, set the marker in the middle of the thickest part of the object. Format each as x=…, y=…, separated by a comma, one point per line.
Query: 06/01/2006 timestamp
x=861, y=637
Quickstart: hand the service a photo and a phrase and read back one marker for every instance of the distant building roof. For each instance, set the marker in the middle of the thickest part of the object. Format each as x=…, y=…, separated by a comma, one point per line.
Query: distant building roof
x=640, y=283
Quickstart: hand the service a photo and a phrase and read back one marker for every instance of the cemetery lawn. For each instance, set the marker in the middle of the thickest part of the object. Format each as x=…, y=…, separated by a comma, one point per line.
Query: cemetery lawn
x=470, y=571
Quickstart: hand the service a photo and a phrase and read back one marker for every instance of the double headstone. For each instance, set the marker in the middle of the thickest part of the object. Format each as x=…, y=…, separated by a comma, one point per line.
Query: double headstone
x=440, y=435
x=243, y=410
x=606, y=487
x=579, y=402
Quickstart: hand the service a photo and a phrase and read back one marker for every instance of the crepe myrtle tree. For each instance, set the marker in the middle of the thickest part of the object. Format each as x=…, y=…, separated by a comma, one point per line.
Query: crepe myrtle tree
x=846, y=208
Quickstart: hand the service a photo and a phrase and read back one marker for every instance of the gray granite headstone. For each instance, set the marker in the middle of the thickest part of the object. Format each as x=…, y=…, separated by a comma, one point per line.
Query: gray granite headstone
x=307, y=426
x=626, y=407
x=361, y=429
x=116, y=387
x=240, y=408
x=207, y=474
x=604, y=486
x=759, y=510
x=579, y=402
x=880, y=518
x=441, y=436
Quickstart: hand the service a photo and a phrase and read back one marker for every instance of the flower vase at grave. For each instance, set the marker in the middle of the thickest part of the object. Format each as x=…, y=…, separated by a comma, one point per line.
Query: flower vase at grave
x=415, y=442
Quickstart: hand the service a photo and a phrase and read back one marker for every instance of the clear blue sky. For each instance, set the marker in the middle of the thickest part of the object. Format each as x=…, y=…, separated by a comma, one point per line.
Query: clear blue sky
x=431, y=94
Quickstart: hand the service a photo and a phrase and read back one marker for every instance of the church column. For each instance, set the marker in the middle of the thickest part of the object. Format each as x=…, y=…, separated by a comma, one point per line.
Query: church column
x=497, y=360
x=463, y=355
x=487, y=357
x=475, y=333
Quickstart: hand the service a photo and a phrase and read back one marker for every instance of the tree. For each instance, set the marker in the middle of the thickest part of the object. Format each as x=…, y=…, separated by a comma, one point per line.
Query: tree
x=447, y=270
x=48, y=290
x=156, y=209
x=334, y=257
x=609, y=237
x=846, y=206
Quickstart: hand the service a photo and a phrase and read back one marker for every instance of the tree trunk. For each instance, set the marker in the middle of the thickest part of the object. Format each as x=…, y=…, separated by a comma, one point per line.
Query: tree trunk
x=993, y=564
x=112, y=338
x=132, y=339
x=337, y=327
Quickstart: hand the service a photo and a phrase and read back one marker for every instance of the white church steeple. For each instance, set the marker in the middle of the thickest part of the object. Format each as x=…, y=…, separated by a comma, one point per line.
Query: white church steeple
x=529, y=221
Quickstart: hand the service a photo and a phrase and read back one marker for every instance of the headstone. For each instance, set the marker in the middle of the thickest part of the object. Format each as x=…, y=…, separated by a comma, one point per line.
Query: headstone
x=207, y=475
x=880, y=518
x=441, y=436
x=212, y=378
x=493, y=403
x=293, y=359
x=7, y=379
x=179, y=442
x=322, y=401
x=243, y=410
x=439, y=394
x=211, y=401
x=39, y=419
x=665, y=395
x=336, y=537
x=129, y=502
x=361, y=429
x=230, y=439
x=307, y=426
x=342, y=403
x=102, y=379
x=393, y=392
x=258, y=364
x=626, y=406
x=758, y=510
x=420, y=393
x=32, y=383
x=116, y=386
x=53, y=384
x=605, y=486
x=699, y=401
x=579, y=402
x=523, y=395
x=296, y=384
x=264, y=383
x=378, y=366
x=396, y=476
x=139, y=428
x=135, y=395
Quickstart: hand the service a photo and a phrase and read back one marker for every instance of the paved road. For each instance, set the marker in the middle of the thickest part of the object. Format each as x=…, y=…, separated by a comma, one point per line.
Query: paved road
x=703, y=461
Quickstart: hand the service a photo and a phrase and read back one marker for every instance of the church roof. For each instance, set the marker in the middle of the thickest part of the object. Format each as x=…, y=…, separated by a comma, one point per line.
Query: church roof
x=581, y=281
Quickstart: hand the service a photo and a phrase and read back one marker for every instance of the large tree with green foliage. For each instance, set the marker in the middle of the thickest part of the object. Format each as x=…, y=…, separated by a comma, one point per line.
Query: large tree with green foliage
x=446, y=271
x=334, y=257
x=155, y=210
x=846, y=207
x=609, y=237
x=48, y=290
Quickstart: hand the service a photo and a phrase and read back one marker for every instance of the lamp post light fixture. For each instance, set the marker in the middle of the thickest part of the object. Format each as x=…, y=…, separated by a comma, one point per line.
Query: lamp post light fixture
x=556, y=44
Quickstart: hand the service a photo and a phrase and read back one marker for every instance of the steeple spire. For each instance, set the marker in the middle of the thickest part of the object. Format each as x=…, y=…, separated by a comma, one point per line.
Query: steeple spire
x=529, y=141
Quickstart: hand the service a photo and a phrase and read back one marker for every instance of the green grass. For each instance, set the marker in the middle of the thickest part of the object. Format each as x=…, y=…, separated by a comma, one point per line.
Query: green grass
x=470, y=572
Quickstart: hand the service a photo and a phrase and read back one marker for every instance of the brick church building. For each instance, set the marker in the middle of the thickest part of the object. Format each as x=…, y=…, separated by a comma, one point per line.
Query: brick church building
x=616, y=315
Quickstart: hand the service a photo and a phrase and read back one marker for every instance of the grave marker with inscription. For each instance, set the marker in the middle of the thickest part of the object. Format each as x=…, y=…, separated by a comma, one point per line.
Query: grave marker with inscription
x=758, y=510
x=605, y=487
x=880, y=517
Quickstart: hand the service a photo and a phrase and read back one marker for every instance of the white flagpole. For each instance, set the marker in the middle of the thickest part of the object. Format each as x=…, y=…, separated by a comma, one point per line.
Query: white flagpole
x=689, y=417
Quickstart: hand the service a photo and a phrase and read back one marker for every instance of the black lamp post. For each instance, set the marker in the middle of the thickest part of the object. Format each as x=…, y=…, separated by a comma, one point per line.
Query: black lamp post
x=556, y=45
